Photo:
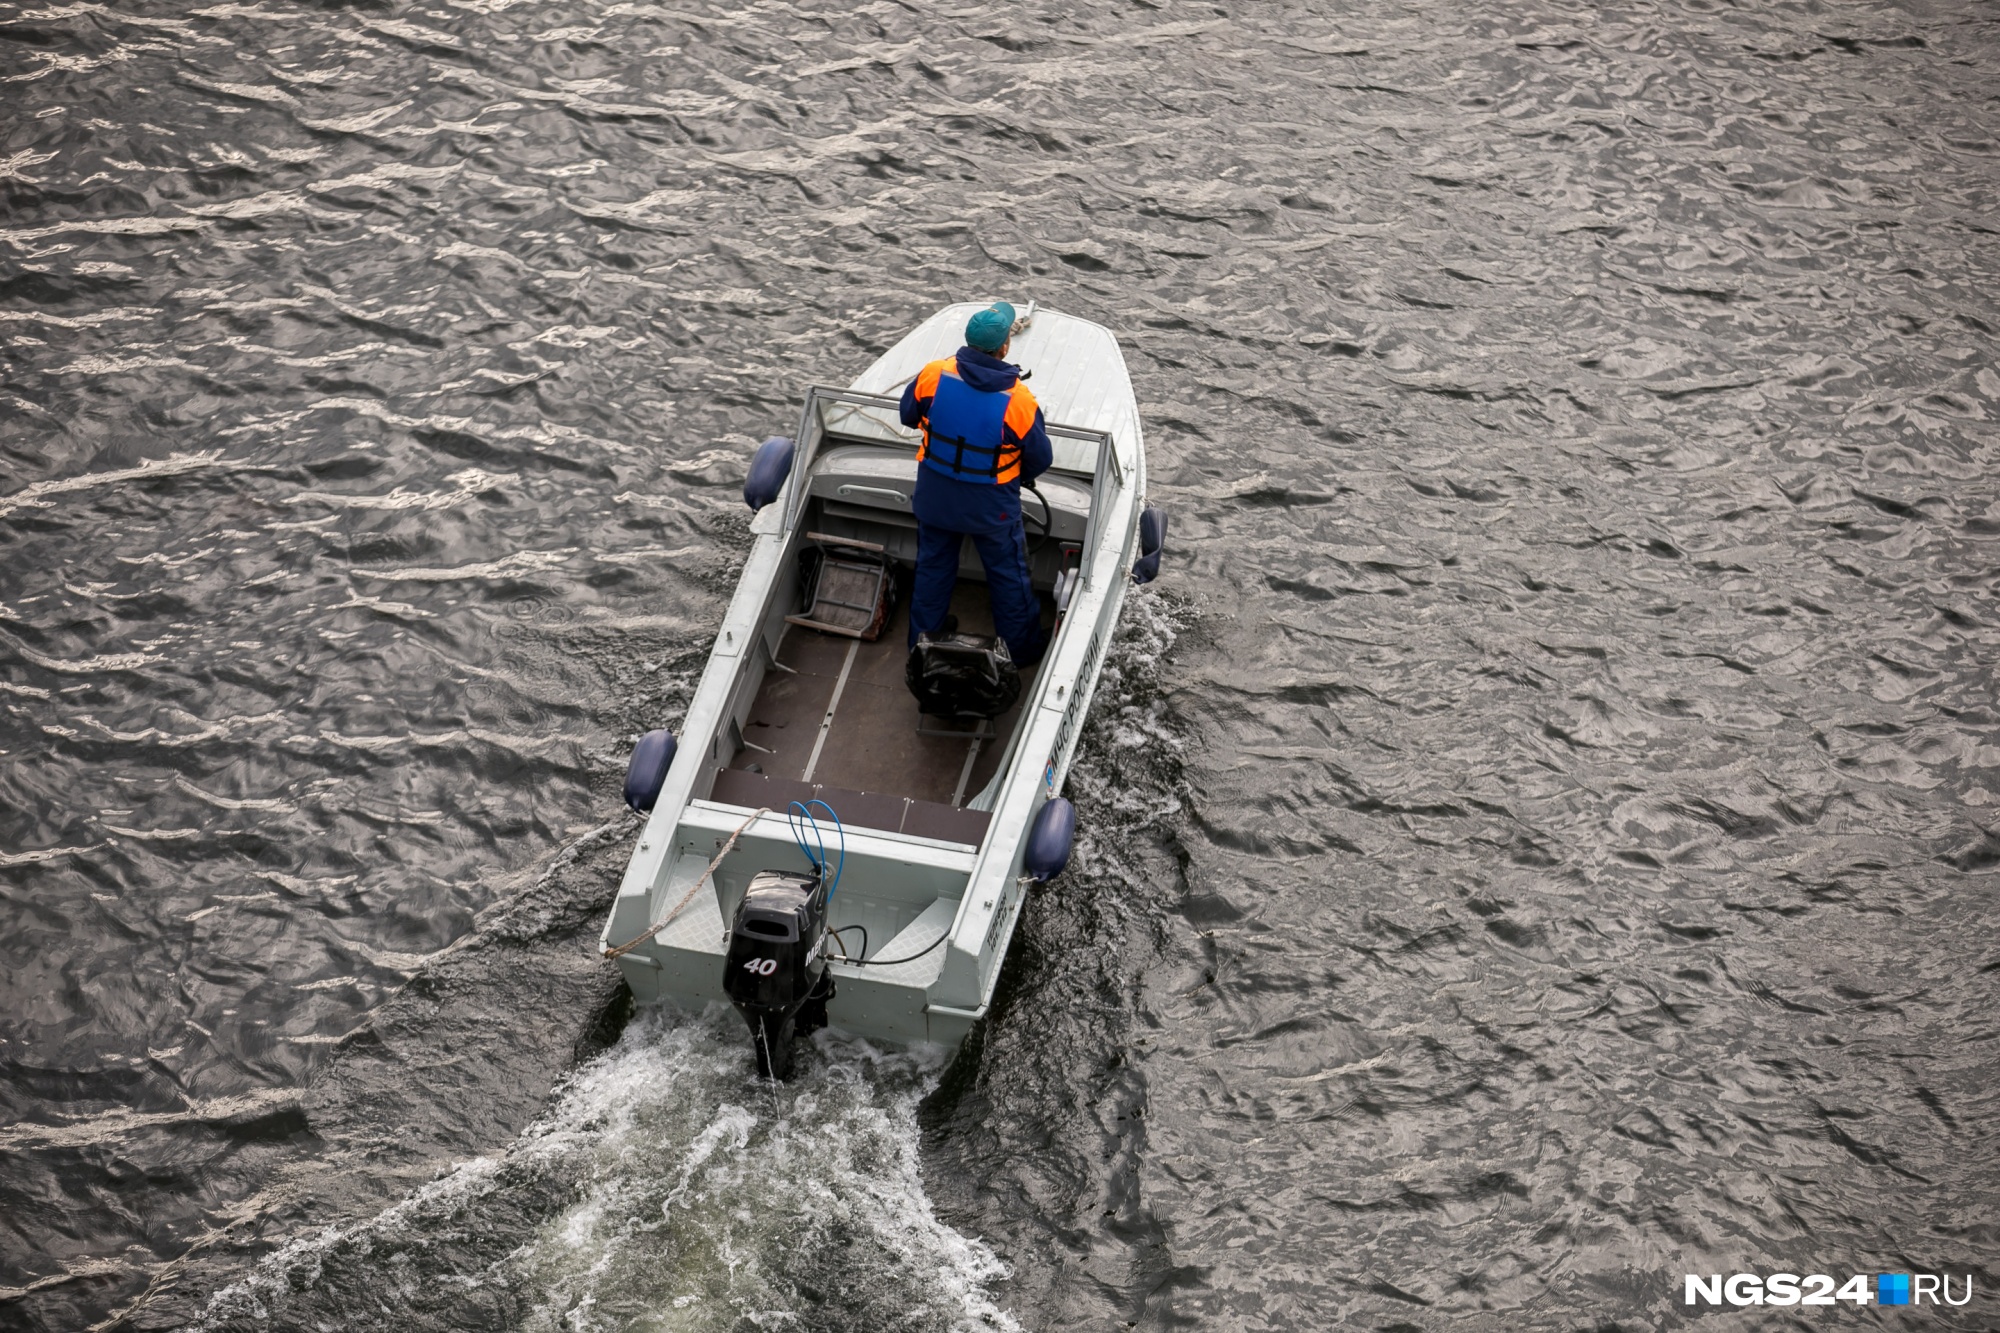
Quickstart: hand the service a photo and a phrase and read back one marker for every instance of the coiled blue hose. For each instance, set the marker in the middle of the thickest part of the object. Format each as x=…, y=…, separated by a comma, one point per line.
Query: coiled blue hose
x=802, y=811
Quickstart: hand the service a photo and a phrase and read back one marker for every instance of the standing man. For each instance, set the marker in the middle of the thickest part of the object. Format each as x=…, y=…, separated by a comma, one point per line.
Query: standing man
x=983, y=437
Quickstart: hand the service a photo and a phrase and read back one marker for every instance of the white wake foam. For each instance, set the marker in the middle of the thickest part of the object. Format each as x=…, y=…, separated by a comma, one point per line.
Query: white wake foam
x=712, y=1198
x=694, y=1198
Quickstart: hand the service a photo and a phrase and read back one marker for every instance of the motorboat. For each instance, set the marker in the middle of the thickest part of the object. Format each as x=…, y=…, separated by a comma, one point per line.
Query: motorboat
x=844, y=831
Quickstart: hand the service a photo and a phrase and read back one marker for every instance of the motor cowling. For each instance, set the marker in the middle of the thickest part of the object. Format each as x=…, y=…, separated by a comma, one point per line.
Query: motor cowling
x=775, y=969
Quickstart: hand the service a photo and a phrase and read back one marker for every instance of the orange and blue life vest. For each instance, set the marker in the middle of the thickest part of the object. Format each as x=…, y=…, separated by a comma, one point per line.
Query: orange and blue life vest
x=972, y=434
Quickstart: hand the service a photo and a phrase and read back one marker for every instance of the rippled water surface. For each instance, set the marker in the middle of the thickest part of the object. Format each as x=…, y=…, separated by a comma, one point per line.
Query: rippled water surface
x=1540, y=836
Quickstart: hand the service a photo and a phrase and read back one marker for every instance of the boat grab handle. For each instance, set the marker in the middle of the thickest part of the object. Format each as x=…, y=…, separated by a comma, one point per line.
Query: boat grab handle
x=845, y=541
x=850, y=492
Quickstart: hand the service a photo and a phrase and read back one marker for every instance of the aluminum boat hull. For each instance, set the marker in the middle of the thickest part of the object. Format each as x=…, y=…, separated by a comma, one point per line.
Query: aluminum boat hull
x=944, y=862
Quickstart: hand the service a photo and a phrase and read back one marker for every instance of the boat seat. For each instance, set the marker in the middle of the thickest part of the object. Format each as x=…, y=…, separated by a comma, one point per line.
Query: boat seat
x=851, y=589
x=860, y=809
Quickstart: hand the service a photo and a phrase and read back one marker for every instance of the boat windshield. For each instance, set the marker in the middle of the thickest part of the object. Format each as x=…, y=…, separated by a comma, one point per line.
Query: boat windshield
x=833, y=417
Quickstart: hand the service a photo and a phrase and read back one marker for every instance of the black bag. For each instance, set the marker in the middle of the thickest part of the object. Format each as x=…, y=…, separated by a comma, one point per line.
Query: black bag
x=962, y=675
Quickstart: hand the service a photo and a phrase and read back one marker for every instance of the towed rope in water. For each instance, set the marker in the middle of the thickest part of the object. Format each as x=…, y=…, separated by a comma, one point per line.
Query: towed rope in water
x=688, y=897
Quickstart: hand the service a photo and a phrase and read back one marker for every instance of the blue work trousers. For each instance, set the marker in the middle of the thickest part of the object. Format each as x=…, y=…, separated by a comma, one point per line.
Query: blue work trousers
x=1017, y=614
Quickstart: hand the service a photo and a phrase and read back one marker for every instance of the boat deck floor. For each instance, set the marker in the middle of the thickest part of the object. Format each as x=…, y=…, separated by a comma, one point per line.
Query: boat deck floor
x=842, y=725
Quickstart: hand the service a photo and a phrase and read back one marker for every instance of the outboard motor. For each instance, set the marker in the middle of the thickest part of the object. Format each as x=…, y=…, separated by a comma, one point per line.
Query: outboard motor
x=775, y=973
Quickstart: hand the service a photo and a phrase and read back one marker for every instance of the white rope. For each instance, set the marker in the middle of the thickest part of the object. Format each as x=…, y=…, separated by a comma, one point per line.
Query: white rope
x=688, y=897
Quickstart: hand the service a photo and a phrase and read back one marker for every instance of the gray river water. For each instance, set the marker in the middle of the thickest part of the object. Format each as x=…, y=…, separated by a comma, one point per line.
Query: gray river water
x=1540, y=837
